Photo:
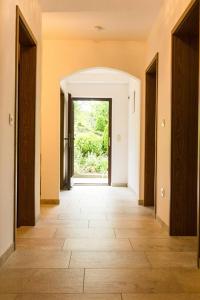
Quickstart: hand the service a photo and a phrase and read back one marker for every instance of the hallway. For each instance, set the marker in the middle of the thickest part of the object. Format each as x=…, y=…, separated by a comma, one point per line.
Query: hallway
x=98, y=244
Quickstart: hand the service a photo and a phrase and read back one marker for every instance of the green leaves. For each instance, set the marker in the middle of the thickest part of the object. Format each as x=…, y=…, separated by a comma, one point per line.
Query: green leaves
x=91, y=136
x=88, y=143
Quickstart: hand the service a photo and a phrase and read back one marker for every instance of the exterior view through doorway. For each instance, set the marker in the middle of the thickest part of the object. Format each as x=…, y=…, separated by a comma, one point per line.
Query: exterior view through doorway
x=92, y=141
x=86, y=134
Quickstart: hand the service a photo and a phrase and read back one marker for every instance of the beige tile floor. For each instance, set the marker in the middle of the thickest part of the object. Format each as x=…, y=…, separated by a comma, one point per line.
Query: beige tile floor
x=98, y=244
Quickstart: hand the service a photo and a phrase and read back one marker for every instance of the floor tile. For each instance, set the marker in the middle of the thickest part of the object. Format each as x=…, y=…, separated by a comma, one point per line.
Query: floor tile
x=190, y=280
x=8, y=297
x=69, y=297
x=97, y=245
x=82, y=216
x=38, y=243
x=172, y=259
x=41, y=281
x=67, y=223
x=32, y=232
x=84, y=233
x=122, y=233
x=131, y=281
x=122, y=223
x=163, y=244
x=109, y=259
x=39, y=259
x=161, y=297
x=111, y=246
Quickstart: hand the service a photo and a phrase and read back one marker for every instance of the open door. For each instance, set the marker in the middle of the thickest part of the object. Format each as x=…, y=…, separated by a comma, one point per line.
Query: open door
x=26, y=51
x=151, y=134
x=70, y=140
x=63, y=141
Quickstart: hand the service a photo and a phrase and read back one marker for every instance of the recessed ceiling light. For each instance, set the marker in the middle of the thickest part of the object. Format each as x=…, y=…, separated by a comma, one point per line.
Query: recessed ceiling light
x=99, y=28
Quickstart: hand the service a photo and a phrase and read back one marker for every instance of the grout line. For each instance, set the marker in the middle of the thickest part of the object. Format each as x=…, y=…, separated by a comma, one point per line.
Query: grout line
x=84, y=281
x=121, y=296
x=131, y=244
x=62, y=247
x=64, y=244
x=150, y=264
x=70, y=259
x=54, y=234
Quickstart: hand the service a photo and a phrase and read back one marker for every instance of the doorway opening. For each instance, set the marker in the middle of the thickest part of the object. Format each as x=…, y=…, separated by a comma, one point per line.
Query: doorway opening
x=151, y=134
x=26, y=51
x=184, y=124
x=92, y=141
x=99, y=86
x=87, y=135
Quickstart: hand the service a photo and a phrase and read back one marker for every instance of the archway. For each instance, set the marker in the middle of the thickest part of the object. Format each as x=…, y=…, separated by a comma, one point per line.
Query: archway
x=124, y=90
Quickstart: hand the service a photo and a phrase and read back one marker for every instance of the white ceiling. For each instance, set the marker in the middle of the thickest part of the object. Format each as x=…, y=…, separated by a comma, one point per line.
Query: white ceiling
x=121, y=19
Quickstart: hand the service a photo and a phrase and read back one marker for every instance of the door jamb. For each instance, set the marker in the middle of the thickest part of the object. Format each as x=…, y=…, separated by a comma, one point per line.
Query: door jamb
x=62, y=112
x=153, y=61
x=19, y=19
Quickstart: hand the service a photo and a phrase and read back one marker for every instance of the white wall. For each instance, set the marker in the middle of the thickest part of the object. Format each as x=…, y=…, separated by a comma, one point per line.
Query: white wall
x=134, y=136
x=31, y=12
x=119, y=94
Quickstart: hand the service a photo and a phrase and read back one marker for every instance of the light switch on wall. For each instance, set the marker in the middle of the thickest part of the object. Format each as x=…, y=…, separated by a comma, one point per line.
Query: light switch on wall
x=163, y=123
x=162, y=192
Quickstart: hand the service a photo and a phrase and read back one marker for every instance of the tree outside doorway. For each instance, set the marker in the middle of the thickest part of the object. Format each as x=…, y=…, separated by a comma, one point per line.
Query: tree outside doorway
x=91, y=125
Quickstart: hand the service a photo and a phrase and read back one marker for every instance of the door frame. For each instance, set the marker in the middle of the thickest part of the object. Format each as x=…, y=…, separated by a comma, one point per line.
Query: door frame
x=174, y=30
x=109, y=100
x=20, y=23
x=70, y=138
x=155, y=61
x=62, y=138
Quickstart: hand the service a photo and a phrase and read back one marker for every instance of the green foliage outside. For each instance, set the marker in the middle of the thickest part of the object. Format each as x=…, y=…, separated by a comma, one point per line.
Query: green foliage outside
x=91, y=137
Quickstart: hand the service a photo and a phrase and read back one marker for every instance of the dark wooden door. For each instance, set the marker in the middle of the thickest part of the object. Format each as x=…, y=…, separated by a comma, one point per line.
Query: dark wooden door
x=25, y=142
x=184, y=126
x=70, y=141
x=63, y=141
x=151, y=134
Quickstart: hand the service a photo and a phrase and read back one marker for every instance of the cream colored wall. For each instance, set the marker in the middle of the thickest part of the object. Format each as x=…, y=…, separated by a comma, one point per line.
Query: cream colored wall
x=160, y=41
x=31, y=11
x=60, y=59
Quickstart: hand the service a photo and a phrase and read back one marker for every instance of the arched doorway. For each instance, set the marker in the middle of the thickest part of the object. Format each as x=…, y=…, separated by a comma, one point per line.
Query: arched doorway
x=123, y=90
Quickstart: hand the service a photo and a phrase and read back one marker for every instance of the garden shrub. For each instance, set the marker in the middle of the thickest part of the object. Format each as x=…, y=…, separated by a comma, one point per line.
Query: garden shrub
x=91, y=138
x=105, y=140
x=89, y=143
